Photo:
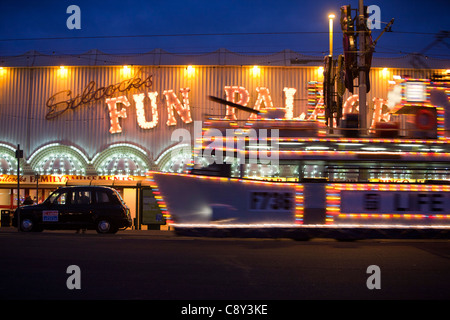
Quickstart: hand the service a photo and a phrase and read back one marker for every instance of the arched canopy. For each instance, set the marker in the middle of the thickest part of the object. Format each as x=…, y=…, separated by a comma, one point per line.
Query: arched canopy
x=56, y=158
x=8, y=161
x=122, y=158
x=175, y=158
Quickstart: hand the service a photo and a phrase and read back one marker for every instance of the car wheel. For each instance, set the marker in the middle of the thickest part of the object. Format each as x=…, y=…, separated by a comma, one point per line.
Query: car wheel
x=27, y=225
x=105, y=226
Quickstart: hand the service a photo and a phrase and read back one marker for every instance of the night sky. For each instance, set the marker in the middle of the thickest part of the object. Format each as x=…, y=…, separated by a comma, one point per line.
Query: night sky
x=189, y=27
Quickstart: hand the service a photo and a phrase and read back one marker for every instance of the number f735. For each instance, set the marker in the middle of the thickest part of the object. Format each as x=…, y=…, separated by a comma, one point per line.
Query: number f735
x=271, y=201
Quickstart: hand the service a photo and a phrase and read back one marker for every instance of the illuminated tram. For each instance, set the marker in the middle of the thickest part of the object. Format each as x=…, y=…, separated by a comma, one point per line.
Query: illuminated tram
x=308, y=180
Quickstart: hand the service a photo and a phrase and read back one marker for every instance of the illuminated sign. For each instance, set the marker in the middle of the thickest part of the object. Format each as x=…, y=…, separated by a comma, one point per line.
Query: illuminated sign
x=62, y=179
x=392, y=180
x=118, y=103
x=346, y=202
x=416, y=92
x=62, y=101
x=395, y=202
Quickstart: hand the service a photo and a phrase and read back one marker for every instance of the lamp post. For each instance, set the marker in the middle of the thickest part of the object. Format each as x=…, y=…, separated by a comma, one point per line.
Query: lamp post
x=331, y=17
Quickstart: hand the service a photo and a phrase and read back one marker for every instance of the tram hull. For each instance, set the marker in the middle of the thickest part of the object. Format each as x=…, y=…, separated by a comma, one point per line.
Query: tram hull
x=248, y=208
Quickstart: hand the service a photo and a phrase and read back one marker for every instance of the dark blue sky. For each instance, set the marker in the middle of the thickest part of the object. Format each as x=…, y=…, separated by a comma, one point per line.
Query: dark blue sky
x=416, y=24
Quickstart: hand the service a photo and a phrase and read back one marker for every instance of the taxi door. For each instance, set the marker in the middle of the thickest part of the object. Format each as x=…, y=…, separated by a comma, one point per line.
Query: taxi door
x=81, y=207
x=55, y=213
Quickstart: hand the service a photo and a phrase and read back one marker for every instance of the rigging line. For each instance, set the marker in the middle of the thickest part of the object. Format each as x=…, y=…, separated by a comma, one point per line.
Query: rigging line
x=167, y=35
x=197, y=35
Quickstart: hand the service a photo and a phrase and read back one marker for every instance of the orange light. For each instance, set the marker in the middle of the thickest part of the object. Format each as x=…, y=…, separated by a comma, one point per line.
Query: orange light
x=62, y=72
x=256, y=71
x=126, y=71
x=320, y=72
x=190, y=71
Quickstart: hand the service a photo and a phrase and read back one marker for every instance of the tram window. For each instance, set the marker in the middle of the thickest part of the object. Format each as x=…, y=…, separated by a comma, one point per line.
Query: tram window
x=314, y=170
x=389, y=172
x=281, y=172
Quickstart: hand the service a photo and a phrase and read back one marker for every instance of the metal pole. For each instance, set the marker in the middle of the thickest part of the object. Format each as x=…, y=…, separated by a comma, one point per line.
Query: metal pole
x=362, y=70
x=37, y=188
x=331, y=17
x=18, y=186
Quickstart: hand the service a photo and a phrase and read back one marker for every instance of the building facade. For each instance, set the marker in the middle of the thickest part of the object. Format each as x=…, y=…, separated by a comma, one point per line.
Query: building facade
x=102, y=119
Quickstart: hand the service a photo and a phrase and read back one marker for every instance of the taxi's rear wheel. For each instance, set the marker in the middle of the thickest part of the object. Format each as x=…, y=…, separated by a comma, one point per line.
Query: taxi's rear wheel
x=105, y=226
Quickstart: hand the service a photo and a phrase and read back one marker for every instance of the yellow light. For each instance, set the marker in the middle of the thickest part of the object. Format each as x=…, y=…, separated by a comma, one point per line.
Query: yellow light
x=331, y=17
x=190, y=71
x=320, y=72
x=447, y=71
x=62, y=72
x=126, y=71
x=2, y=71
x=385, y=72
x=256, y=71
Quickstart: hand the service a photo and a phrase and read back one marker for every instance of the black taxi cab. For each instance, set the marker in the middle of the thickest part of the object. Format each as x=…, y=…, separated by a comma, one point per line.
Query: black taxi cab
x=79, y=207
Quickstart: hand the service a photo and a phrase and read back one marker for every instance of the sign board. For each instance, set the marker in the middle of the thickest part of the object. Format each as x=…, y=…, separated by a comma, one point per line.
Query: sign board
x=50, y=216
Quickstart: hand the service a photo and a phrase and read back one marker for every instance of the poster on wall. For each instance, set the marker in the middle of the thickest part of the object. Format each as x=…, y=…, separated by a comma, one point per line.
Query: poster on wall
x=151, y=213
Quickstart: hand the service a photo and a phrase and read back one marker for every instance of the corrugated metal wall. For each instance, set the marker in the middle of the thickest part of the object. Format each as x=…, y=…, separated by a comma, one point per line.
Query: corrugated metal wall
x=25, y=91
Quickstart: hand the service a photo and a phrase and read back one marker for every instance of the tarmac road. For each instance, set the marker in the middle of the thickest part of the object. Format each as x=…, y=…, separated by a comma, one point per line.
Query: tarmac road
x=159, y=265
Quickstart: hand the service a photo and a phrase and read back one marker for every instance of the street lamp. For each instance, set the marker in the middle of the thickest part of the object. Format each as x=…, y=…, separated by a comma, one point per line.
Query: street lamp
x=331, y=17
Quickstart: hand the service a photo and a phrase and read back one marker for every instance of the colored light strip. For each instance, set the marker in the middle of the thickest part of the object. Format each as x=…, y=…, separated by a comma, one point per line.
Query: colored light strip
x=307, y=226
x=299, y=204
x=333, y=201
x=162, y=205
x=340, y=139
x=428, y=155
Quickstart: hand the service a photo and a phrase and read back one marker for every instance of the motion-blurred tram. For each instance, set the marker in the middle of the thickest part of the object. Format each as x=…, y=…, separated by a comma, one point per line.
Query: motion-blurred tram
x=300, y=178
